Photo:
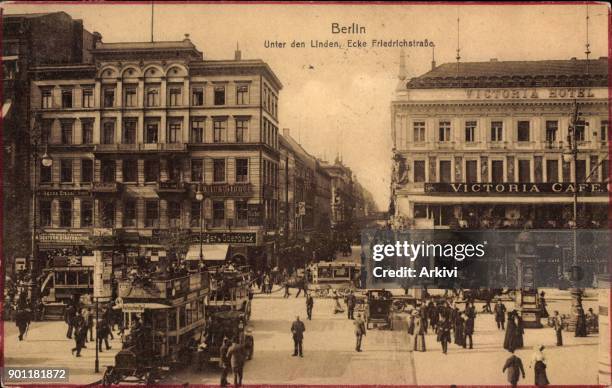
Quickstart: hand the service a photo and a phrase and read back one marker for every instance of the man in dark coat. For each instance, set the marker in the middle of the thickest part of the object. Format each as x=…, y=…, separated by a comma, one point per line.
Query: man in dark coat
x=514, y=367
x=236, y=356
x=80, y=335
x=460, y=330
x=350, y=304
x=225, y=361
x=360, y=331
x=102, y=332
x=68, y=318
x=298, y=329
x=22, y=320
x=581, y=329
x=443, y=330
x=309, y=305
x=500, y=314
x=432, y=311
x=558, y=326
x=469, y=329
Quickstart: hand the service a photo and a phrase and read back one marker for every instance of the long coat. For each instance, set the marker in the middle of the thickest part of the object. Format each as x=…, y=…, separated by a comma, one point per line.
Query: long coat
x=510, y=338
x=513, y=368
x=418, y=341
x=460, y=331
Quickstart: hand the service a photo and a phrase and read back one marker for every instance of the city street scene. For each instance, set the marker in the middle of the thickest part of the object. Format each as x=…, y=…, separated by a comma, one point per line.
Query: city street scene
x=219, y=194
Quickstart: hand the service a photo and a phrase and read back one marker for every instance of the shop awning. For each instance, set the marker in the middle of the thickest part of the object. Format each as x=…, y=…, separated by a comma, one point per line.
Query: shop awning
x=6, y=107
x=141, y=191
x=212, y=252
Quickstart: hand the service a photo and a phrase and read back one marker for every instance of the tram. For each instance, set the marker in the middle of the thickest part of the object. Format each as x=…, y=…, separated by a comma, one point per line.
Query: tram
x=166, y=317
x=339, y=275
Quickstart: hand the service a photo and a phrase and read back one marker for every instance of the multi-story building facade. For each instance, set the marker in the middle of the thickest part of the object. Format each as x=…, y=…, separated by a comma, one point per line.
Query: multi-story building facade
x=27, y=41
x=484, y=145
x=343, y=195
x=135, y=135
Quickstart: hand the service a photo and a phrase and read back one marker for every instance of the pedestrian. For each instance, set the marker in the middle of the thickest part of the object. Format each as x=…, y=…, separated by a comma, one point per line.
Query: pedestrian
x=418, y=342
x=309, y=305
x=68, y=318
x=224, y=360
x=487, y=306
x=520, y=330
x=539, y=366
x=287, y=294
x=298, y=329
x=443, y=331
x=88, y=318
x=78, y=320
x=236, y=356
x=557, y=323
x=500, y=314
x=80, y=335
x=302, y=287
x=424, y=315
x=581, y=329
x=22, y=321
x=337, y=307
x=514, y=368
x=410, y=327
x=543, y=311
x=460, y=330
x=432, y=310
x=107, y=316
x=350, y=304
x=510, y=337
x=103, y=331
x=360, y=331
x=469, y=329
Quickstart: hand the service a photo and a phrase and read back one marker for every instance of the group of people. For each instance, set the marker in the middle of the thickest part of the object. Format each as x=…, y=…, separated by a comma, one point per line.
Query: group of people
x=233, y=357
x=81, y=324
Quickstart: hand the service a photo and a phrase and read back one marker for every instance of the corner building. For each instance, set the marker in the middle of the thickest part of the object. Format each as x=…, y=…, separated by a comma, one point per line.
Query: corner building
x=133, y=137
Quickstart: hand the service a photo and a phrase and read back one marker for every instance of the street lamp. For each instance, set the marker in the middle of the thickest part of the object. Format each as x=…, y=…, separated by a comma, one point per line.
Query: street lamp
x=200, y=198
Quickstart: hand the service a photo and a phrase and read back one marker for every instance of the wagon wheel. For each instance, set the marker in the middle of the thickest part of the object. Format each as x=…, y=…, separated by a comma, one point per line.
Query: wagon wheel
x=110, y=377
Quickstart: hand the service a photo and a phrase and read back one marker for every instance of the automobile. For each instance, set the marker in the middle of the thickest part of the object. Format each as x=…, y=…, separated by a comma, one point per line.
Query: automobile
x=231, y=324
x=378, y=310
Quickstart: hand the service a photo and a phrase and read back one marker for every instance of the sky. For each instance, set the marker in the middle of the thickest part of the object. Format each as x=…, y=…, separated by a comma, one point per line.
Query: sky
x=336, y=101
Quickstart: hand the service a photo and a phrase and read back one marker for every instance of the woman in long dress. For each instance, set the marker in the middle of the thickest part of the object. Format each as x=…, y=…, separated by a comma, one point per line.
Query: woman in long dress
x=538, y=363
x=520, y=330
x=510, y=338
x=419, y=334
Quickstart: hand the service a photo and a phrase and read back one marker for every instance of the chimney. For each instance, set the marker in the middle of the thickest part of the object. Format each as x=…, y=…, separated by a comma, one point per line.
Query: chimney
x=286, y=132
x=433, y=58
x=493, y=60
x=97, y=38
x=186, y=38
x=237, y=53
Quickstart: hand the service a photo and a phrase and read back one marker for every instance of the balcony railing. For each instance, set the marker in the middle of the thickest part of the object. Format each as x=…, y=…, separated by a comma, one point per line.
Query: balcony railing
x=137, y=147
x=105, y=187
x=171, y=187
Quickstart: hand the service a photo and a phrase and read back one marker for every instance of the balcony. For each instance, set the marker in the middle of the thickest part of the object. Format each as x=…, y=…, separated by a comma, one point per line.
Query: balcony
x=171, y=187
x=140, y=147
x=105, y=187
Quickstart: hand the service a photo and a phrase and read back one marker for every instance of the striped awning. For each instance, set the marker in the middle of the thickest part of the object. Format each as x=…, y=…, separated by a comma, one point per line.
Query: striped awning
x=211, y=252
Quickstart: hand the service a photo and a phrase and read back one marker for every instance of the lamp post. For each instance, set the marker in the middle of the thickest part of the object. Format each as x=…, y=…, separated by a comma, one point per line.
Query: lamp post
x=572, y=156
x=46, y=161
x=200, y=198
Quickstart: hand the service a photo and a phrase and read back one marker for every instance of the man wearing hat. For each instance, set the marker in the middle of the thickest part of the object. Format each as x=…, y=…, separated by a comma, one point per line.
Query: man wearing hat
x=500, y=314
x=298, y=329
x=360, y=331
x=224, y=360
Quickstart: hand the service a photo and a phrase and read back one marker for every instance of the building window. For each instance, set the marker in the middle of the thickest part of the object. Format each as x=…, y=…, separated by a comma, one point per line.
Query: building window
x=152, y=97
x=174, y=96
x=130, y=170
x=152, y=133
x=551, y=130
x=242, y=170
x=497, y=171
x=581, y=130
x=129, y=213
x=197, y=131
x=552, y=170
x=219, y=95
x=45, y=174
x=197, y=96
x=419, y=171
x=497, y=131
x=218, y=213
x=47, y=98
x=108, y=132
x=66, y=171
x=241, y=213
x=45, y=132
x=219, y=170
x=109, y=97
x=444, y=131
x=88, y=100
x=605, y=125
x=524, y=171
x=174, y=214
x=107, y=170
x=173, y=170
x=445, y=171
x=418, y=130
x=522, y=130
x=151, y=170
x=196, y=212
x=86, y=170
x=242, y=94
x=151, y=214
x=45, y=213
x=196, y=170
x=242, y=127
x=581, y=172
x=129, y=132
x=129, y=99
x=604, y=171
x=219, y=131
x=67, y=98
x=471, y=171
x=174, y=132
x=65, y=214
x=107, y=213
x=87, y=131
x=470, y=131
x=66, y=132
x=86, y=214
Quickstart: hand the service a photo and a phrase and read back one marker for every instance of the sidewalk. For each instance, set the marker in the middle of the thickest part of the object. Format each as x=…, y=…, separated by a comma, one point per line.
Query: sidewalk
x=46, y=345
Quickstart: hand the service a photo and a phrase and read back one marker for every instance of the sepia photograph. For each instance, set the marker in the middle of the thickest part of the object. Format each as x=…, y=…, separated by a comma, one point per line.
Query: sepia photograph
x=309, y=193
